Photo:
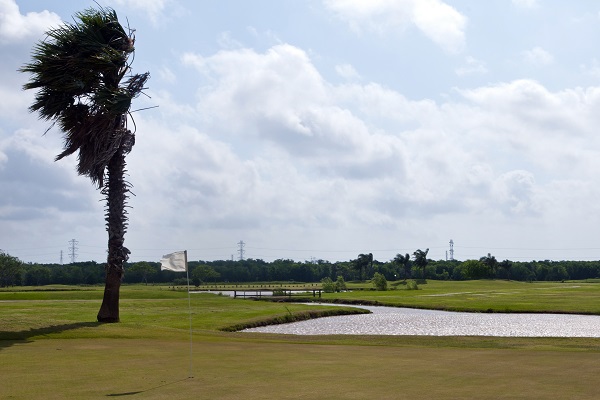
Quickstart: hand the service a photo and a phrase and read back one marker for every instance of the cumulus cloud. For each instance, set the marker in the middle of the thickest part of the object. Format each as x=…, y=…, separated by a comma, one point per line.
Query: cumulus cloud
x=376, y=150
x=167, y=75
x=347, y=71
x=270, y=144
x=281, y=98
x=15, y=26
x=36, y=187
x=526, y=3
x=471, y=66
x=157, y=11
x=537, y=57
x=592, y=69
x=378, y=156
x=514, y=192
x=440, y=22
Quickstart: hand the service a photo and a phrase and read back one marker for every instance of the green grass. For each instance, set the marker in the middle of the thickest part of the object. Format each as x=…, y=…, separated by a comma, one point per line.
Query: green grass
x=486, y=296
x=581, y=297
x=52, y=348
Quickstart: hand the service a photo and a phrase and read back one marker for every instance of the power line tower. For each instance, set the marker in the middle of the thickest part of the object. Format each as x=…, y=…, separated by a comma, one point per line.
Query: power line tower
x=73, y=250
x=451, y=250
x=241, y=245
x=61, y=257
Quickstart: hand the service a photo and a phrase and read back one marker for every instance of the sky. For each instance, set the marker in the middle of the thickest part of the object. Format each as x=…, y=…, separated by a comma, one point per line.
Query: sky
x=322, y=129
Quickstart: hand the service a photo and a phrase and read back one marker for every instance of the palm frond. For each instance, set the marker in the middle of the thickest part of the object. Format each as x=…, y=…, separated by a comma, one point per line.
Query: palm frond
x=78, y=73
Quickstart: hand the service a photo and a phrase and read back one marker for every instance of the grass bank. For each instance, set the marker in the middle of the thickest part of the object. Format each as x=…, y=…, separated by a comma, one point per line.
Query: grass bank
x=578, y=297
x=575, y=297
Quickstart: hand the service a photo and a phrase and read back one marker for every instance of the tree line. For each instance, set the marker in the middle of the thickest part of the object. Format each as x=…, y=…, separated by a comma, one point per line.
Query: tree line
x=13, y=272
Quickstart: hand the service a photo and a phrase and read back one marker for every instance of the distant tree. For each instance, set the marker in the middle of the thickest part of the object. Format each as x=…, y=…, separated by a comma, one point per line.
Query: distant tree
x=506, y=265
x=475, y=269
x=522, y=272
x=143, y=269
x=403, y=262
x=204, y=273
x=37, y=275
x=379, y=281
x=491, y=262
x=363, y=262
x=557, y=273
x=421, y=259
x=78, y=72
x=10, y=270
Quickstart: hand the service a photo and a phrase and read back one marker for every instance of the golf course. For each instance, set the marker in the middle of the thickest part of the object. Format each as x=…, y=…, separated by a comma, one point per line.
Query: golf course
x=51, y=346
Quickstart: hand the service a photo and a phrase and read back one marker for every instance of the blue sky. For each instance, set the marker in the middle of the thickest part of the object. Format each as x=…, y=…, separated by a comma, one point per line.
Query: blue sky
x=324, y=129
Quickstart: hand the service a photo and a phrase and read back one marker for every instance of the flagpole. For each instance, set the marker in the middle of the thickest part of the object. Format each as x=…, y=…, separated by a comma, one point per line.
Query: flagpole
x=189, y=307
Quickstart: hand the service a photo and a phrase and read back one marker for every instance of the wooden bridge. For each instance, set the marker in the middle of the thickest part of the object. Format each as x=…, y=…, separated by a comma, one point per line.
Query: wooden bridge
x=244, y=293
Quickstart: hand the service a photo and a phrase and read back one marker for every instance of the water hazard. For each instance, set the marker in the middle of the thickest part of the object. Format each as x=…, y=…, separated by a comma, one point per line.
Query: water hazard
x=404, y=321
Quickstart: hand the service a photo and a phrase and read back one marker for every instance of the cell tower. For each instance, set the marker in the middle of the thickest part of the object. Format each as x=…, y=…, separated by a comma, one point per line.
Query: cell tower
x=73, y=250
x=241, y=245
x=451, y=250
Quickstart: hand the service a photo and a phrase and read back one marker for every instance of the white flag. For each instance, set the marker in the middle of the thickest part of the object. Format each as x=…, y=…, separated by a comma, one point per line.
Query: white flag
x=174, y=262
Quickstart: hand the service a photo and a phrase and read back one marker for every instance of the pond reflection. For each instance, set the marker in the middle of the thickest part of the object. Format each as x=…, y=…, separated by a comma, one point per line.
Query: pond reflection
x=405, y=321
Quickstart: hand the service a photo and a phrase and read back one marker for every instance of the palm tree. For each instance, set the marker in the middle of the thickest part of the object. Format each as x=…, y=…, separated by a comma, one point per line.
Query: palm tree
x=363, y=262
x=421, y=259
x=507, y=265
x=81, y=72
x=404, y=262
x=491, y=262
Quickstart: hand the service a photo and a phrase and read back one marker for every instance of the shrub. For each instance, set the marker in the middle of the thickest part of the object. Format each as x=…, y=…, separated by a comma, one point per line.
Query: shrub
x=379, y=281
x=327, y=285
x=475, y=269
x=411, y=285
x=180, y=282
x=340, y=284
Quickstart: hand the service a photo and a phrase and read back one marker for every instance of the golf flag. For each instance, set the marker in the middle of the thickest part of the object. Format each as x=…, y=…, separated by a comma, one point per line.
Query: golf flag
x=174, y=262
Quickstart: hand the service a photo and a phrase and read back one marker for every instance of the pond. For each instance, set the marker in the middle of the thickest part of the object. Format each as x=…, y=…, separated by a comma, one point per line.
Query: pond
x=405, y=321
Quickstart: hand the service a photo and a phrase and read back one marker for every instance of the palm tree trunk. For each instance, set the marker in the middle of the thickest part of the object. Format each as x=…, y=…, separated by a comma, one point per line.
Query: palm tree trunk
x=116, y=225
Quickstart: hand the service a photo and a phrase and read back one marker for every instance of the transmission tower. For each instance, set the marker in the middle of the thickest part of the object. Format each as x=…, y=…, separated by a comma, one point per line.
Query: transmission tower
x=73, y=250
x=241, y=245
x=451, y=250
x=61, y=257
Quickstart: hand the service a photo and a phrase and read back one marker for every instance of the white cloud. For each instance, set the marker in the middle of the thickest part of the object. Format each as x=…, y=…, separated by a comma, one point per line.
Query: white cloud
x=592, y=69
x=533, y=124
x=226, y=41
x=526, y=3
x=167, y=75
x=271, y=151
x=347, y=72
x=405, y=157
x=440, y=22
x=157, y=11
x=438, y=153
x=514, y=193
x=472, y=66
x=14, y=26
x=537, y=57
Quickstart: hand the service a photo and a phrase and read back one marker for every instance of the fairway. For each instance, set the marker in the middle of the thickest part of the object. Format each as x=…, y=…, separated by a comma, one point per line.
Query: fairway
x=51, y=348
x=229, y=368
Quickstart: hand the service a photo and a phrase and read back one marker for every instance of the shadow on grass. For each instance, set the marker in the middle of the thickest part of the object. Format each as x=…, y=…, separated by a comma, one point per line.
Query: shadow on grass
x=147, y=390
x=8, y=339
